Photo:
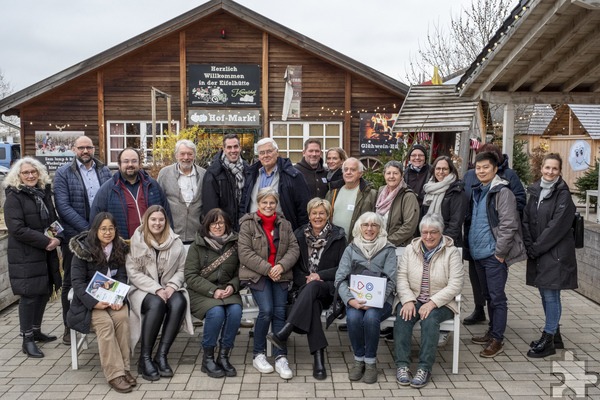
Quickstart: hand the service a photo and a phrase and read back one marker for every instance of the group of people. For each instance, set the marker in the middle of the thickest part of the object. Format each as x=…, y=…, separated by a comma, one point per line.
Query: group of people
x=294, y=235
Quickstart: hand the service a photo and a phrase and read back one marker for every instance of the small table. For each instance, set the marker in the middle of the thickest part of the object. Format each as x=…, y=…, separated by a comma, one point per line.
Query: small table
x=589, y=193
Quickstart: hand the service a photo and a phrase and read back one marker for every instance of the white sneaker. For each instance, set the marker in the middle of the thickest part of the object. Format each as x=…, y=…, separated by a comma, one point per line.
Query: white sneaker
x=262, y=365
x=283, y=368
x=443, y=340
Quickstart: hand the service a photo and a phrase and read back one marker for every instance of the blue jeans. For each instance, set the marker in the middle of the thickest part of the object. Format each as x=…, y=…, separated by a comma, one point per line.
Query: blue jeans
x=552, y=309
x=272, y=303
x=430, y=333
x=492, y=278
x=363, y=330
x=223, y=320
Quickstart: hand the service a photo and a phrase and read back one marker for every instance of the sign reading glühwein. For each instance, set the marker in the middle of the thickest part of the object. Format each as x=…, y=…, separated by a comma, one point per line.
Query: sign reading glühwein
x=224, y=85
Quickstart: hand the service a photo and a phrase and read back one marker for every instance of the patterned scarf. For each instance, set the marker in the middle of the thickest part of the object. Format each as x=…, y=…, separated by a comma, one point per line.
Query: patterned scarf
x=316, y=245
x=435, y=192
x=237, y=169
x=216, y=242
x=38, y=195
x=386, y=198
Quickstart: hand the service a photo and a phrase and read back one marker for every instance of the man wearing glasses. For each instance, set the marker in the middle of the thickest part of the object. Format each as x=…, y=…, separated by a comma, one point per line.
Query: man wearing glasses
x=418, y=171
x=75, y=186
x=278, y=173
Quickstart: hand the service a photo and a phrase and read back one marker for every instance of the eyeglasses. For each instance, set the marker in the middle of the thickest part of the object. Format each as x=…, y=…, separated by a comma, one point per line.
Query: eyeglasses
x=83, y=148
x=32, y=172
x=430, y=233
x=442, y=169
x=417, y=156
x=132, y=162
x=217, y=224
x=266, y=152
x=107, y=230
x=369, y=226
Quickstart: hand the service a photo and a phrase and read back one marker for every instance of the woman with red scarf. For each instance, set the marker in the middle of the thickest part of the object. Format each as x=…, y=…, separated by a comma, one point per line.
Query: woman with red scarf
x=268, y=250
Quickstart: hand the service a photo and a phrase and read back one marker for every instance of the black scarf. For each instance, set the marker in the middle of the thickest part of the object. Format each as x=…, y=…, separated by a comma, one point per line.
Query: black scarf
x=38, y=195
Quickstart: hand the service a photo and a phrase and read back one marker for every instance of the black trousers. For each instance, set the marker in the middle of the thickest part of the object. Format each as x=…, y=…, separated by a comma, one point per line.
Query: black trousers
x=156, y=313
x=478, y=297
x=66, y=282
x=31, y=313
x=305, y=314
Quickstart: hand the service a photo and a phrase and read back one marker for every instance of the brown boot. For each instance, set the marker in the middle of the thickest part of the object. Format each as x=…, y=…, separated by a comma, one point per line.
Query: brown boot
x=493, y=348
x=482, y=339
x=120, y=384
x=66, y=339
x=130, y=379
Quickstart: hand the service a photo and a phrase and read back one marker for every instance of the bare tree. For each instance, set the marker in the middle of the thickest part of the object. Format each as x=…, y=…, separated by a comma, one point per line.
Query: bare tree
x=5, y=87
x=454, y=48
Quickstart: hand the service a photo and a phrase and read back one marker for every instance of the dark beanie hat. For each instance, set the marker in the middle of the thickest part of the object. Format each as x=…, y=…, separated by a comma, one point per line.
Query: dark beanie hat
x=416, y=147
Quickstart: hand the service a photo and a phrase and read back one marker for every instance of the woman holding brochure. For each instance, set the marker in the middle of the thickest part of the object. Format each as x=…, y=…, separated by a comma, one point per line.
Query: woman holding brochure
x=155, y=267
x=101, y=250
x=370, y=253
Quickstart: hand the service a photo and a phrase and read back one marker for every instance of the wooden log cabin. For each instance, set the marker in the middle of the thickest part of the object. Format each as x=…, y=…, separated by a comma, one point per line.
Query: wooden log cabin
x=109, y=96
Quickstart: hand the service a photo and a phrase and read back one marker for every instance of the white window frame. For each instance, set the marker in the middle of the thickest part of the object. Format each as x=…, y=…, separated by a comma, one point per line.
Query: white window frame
x=283, y=141
x=145, y=134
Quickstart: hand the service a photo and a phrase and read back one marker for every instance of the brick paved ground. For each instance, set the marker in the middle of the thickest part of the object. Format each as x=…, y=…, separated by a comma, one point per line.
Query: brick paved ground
x=509, y=376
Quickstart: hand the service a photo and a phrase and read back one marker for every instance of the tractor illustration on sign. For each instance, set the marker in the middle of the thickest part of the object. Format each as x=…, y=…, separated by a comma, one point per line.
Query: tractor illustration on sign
x=210, y=95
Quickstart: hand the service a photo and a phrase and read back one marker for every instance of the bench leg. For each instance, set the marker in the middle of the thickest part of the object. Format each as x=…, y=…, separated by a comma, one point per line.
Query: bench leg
x=74, y=350
x=455, y=345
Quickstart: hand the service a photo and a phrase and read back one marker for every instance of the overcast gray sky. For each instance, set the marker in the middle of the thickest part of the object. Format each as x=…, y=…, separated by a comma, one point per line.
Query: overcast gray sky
x=41, y=38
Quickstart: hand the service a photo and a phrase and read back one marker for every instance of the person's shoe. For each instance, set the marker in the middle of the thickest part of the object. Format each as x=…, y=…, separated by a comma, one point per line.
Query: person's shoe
x=543, y=348
x=283, y=368
x=38, y=336
x=276, y=340
x=343, y=328
x=319, y=371
x=357, y=371
x=261, y=364
x=160, y=360
x=223, y=362
x=443, y=340
x=146, y=367
x=476, y=317
x=246, y=323
x=30, y=348
x=403, y=376
x=386, y=331
x=371, y=372
x=421, y=379
x=493, y=348
x=120, y=384
x=389, y=337
x=66, y=339
x=482, y=339
x=558, y=341
x=130, y=379
x=209, y=366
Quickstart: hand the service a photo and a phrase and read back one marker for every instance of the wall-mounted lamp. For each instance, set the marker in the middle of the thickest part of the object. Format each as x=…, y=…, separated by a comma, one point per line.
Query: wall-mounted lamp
x=223, y=35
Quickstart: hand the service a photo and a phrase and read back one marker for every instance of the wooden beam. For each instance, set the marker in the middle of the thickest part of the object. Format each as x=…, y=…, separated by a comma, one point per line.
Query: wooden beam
x=579, y=21
x=182, y=80
x=590, y=40
x=595, y=87
x=523, y=46
x=347, y=134
x=101, y=128
x=541, y=97
x=265, y=85
x=581, y=75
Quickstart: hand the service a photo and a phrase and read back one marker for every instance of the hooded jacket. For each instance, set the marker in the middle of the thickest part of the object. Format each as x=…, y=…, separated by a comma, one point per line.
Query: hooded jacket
x=316, y=178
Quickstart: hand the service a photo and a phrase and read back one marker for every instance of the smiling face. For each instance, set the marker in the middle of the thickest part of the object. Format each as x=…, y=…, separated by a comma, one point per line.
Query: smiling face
x=84, y=150
x=312, y=154
x=129, y=165
x=267, y=155
x=267, y=206
x=156, y=224
x=334, y=161
x=318, y=218
x=393, y=177
x=369, y=230
x=485, y=171
x=29, y=175
x=185, y=158
x=551, y=169
x=231, y=149
x=106, y=232
x=431, y=237
x=352, y=173
x=217, y=228
x=417, y=158
x=442, y=170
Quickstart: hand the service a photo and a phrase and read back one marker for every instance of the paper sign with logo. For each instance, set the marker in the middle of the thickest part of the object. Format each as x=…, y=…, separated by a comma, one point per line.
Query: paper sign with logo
x=370, y=289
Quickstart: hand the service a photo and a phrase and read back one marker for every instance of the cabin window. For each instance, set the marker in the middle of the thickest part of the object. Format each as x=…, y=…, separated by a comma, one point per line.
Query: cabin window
x=290, y=136
x=136, y=134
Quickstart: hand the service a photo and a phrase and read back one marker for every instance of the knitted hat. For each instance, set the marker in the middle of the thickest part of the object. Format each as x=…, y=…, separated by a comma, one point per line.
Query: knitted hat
x=416, y=147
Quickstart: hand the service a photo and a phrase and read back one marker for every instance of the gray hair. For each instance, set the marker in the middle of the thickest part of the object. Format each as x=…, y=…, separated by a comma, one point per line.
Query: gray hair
x=395, y=164
x=434, y=220
x=187, y=143
x=361, y=167
x=13, y=178
x=369, y=218
x=266, y=192
x=264, y=141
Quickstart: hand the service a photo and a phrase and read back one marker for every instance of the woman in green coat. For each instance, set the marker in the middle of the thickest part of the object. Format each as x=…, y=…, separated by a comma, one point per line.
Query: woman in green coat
x=211, y=274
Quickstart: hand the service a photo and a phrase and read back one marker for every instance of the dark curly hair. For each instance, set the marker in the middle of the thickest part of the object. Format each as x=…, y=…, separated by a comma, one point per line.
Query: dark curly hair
x=120, y=248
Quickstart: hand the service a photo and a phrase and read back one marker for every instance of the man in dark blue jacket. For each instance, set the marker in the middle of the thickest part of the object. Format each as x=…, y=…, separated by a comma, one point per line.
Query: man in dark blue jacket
x=128, y=194
x=75, y=186
x=279, y=173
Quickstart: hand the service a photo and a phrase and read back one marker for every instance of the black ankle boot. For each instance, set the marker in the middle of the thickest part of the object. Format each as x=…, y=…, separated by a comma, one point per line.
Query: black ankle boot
x=279, y=338
x=209, y=366
x=543, y=348
x=558, y=342
x=319, y=371
x=476, y=317
x=223, y=362
x=160, y=360
x=146, y=367
x=30, y=348
x=38, y=336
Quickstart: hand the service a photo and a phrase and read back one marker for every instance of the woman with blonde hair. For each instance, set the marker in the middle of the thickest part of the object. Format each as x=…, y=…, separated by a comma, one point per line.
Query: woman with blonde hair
x=155, y=267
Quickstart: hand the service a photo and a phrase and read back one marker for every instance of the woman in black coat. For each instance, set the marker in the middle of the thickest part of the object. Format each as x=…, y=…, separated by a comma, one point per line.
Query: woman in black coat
x=33, y=266
x=102, y=250
x=548, y=236
x=321, y=247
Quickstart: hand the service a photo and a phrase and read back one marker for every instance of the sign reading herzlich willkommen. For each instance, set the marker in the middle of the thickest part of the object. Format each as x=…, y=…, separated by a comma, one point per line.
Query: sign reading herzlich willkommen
x=224, y=85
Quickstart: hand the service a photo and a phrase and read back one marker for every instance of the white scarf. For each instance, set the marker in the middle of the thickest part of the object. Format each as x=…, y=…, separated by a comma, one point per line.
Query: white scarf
x=371, y=247
x=435, y=192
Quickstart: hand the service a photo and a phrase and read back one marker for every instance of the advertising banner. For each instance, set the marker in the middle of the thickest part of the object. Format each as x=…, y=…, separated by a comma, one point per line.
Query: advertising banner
x=293, y=92
x=224, y=85
x=54, y=148
x=204, y=117
x=375, y=134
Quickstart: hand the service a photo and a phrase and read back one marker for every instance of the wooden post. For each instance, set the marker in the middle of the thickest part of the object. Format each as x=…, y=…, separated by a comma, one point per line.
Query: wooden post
x=508, y=134
x=264, y=98
x=102, y=134
x=346, y=136
x=182, y=80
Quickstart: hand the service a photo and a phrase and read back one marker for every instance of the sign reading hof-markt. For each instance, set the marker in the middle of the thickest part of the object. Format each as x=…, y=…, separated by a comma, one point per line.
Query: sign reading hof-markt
x=235, y=117
x=224, y=85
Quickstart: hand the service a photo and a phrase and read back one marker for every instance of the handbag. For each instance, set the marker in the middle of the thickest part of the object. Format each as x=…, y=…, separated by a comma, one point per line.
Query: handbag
x=578, y=230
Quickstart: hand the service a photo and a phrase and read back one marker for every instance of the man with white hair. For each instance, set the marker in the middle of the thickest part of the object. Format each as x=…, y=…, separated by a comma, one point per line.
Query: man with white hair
x=354, y=198
x=278, y=173
x=182, y=184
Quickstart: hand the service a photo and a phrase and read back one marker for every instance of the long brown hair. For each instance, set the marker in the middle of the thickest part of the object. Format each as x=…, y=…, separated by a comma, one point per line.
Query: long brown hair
x=146, y=230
